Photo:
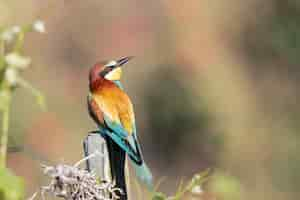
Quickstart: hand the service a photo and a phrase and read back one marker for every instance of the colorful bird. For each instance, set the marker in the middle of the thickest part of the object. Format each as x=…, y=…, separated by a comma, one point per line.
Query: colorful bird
x=112, y=110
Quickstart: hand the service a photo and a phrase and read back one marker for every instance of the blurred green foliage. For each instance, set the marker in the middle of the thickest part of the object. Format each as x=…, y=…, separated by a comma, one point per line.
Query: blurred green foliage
x=12, y=63
x=285, y=30
x=177, y=117
x=182, y=190
x=11, y=186
x=180, y=125
x=225, y=186
x=274, y=46
x=276, y=36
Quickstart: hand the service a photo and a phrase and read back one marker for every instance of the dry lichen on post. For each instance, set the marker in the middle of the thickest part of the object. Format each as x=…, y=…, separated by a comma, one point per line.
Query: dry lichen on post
x=72, y=183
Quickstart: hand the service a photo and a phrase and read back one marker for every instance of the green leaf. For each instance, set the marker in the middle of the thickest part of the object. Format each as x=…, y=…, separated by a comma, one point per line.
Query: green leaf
x=197, y=180
x=11, y=186
x=226, y=187
x=159, y=196
x=201, y=177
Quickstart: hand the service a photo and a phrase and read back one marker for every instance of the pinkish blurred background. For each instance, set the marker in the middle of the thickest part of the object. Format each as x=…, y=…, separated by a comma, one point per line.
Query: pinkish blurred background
x=214, y=84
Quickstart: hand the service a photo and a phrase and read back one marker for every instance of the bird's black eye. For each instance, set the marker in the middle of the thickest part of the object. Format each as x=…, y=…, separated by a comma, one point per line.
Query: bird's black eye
x=105, y=71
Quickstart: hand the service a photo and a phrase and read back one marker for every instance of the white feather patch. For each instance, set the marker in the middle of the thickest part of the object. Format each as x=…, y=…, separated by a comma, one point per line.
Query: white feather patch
x=111, y=63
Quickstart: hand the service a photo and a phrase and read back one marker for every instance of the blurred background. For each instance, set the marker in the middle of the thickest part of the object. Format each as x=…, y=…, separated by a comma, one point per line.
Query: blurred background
x=214, y=85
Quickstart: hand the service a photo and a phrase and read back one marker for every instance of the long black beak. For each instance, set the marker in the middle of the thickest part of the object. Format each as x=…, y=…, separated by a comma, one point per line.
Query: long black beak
x=124, y=60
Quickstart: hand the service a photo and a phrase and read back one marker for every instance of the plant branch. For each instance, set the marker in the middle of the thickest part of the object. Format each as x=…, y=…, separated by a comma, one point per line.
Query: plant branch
x=2, y=52
x=2, y=47
x=4, y=136
x=35, y=92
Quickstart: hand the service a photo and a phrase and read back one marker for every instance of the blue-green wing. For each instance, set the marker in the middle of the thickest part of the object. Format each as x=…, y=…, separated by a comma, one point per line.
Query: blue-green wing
x=128, y=142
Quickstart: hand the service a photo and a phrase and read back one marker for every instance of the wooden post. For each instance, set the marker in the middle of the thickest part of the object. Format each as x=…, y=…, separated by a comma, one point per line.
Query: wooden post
x=98, y=164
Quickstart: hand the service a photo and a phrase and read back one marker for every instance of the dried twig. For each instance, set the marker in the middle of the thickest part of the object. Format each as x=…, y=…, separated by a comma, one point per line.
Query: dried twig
x=72, y=183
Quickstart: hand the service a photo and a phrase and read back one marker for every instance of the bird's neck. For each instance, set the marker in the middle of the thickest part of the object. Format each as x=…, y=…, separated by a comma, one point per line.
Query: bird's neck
x=98, y=84
x=119, y=84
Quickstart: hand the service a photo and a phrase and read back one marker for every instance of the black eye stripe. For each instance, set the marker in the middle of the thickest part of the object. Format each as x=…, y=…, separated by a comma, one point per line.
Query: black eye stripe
x=105, y=71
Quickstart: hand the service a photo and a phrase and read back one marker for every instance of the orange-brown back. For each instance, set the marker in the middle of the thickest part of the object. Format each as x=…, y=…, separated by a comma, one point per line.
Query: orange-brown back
x=116, y=104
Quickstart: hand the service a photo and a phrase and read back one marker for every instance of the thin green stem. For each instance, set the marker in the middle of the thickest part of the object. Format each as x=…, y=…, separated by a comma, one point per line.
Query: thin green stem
x=1, y=47
x=2, y=52
x=5, y=117
x=4, y=136
x=39, y=96
x=19, y=43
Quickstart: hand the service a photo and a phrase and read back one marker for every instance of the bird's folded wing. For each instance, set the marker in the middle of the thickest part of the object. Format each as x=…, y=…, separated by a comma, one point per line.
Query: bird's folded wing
x=127, y=142
x=94, y=110
x=114, y=127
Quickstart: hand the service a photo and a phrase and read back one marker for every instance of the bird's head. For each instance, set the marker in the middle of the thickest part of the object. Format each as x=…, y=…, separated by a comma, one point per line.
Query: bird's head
x=108, y=70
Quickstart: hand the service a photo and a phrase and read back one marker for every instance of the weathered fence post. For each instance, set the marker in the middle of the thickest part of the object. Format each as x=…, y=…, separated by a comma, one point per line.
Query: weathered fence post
x=98, y=164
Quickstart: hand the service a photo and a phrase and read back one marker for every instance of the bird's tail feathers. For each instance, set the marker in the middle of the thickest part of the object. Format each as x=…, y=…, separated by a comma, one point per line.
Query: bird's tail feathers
x=144, y=175
x=142, y=171
x=132, y=148
x=117, y=165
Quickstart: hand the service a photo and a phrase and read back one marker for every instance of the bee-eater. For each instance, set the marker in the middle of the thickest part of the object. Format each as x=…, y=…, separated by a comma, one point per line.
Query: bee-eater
x=112, y=110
